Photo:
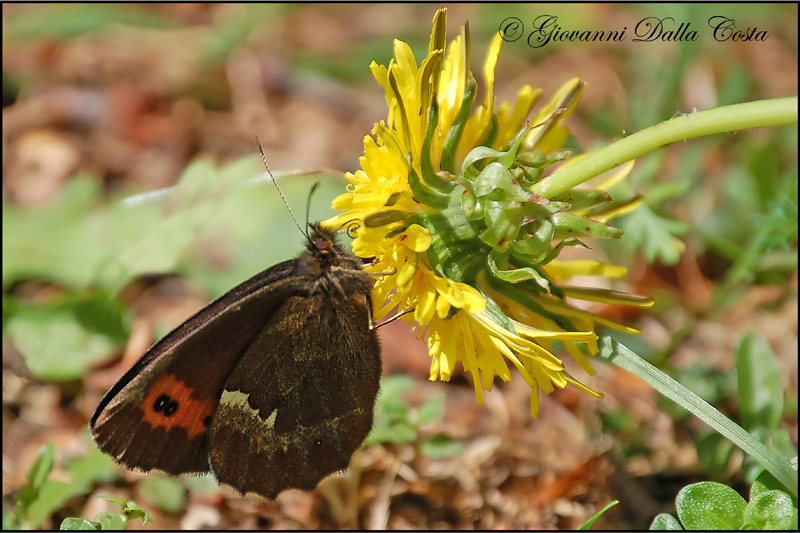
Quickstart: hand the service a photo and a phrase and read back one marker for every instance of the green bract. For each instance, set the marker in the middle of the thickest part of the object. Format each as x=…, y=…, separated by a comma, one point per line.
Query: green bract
x=488, y=220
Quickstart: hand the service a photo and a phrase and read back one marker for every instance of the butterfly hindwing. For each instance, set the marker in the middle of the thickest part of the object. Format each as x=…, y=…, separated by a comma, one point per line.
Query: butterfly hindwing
x=298, y=404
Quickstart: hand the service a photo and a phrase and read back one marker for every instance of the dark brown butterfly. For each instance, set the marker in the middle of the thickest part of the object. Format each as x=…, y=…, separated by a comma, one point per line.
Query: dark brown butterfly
x=270, y=387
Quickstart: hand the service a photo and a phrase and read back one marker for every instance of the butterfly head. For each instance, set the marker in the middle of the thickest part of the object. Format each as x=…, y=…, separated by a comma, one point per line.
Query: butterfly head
x=332, y=265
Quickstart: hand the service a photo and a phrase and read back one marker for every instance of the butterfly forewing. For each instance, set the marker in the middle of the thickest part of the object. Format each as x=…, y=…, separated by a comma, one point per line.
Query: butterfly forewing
x=158, y=415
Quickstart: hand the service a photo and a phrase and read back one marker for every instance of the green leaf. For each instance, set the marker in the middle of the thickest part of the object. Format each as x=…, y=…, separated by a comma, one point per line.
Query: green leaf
x=782, y=219
x=10, y=518
x=98, y=313
x=57, y=242
x=166, y=493
x=710, y=506
x=665, y=522
x=396, y=423
x=766, y=482
x=399, y=433
x=84, y=473
x=771, y=510
x=714, y=451
x=653, y=235
x=118, y=501
x=37, y=477
x=618, y=421
x=394, y=387
x=441, y=446
x=42, y=466
x=56, y=347
x=431, y=410
x=81, y=524
x=759, y=382
x=109, y=521
x=132, y=511
x=391, y=412
x=204, y=485
x=53, y=496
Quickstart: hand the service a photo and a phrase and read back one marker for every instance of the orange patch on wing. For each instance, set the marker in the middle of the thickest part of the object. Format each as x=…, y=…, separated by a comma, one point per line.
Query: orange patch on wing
x=190, y=413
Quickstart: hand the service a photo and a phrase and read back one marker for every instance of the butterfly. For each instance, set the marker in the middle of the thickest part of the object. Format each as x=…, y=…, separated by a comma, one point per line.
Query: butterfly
x=271, y=386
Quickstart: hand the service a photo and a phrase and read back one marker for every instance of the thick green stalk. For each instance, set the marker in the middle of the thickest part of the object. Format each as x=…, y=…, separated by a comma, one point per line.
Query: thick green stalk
x=726, y=119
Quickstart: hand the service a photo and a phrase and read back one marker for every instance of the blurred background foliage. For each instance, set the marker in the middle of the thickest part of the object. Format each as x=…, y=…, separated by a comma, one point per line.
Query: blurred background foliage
x=104, y=102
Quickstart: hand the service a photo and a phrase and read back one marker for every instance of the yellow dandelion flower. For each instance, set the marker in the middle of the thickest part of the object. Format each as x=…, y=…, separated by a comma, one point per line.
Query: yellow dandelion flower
x=444, y=198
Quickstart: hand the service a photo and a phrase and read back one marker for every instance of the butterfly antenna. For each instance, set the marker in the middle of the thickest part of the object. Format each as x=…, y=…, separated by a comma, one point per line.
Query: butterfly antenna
x=308, y=200
x=264, y=159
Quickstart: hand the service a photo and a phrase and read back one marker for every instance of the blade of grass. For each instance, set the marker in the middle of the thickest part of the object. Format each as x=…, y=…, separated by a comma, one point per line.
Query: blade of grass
x=624, y=358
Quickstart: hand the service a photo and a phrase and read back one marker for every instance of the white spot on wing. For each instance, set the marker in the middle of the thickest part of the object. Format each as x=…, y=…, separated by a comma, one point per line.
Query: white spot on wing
x=270, y=422
x=239, y=400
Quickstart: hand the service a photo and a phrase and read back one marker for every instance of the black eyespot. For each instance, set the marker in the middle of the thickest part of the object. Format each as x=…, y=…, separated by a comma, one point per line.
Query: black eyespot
x=171, y=407
x=165, y=404
x=207, y=421
x=161, y=403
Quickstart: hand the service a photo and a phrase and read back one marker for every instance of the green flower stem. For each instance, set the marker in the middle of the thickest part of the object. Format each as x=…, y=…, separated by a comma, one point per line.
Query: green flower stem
x=726, y=119
x=621, y=356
